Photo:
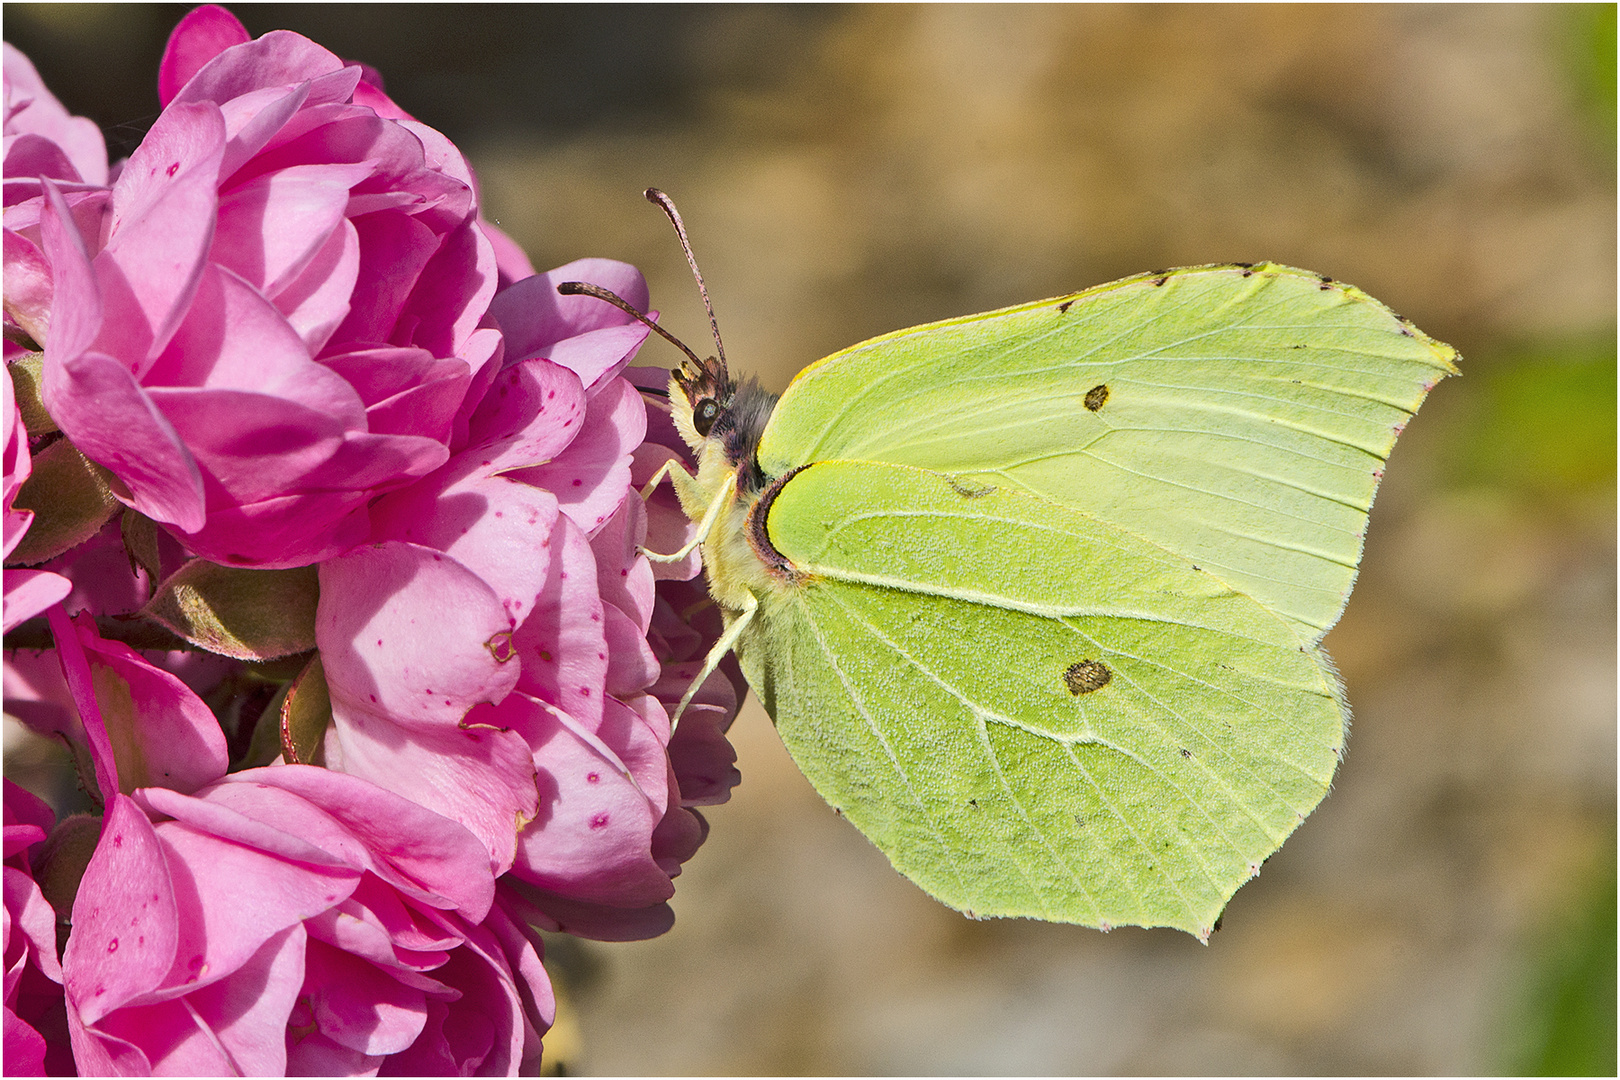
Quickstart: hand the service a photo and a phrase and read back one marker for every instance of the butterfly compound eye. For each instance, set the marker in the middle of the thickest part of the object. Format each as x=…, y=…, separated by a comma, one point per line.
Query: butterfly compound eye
x=704, y=415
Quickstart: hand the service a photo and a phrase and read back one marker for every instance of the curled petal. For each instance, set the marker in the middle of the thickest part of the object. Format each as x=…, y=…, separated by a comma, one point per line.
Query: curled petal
x=411, y=633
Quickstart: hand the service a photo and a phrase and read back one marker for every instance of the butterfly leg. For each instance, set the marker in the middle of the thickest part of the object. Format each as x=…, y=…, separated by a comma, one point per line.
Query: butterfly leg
x=691, y=495
x=716, y=654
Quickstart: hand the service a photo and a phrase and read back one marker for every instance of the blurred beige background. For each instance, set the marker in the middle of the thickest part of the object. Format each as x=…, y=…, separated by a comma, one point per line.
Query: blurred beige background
x=848, y=171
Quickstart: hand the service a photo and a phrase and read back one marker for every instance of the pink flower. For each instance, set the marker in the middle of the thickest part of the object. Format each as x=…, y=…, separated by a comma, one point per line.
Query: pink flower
x=33, y=987
x=27, y=592
x=273, y=316
x=293, y=919
x=476, y=575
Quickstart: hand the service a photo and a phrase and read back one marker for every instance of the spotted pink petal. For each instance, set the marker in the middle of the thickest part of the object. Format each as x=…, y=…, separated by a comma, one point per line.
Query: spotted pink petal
x=125, y=919
x=624, y=576
x=591, y=838
x=531, y=413
x=410, y=633
x=480, y=777
x=561, y=645
x=499, y=530
x=592, y=476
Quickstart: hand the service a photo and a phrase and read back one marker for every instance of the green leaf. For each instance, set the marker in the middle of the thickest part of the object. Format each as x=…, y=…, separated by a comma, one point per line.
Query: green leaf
x=246, y=614
x=141, y=541
x=27, y=376
x=70, y=500
x=305, y=714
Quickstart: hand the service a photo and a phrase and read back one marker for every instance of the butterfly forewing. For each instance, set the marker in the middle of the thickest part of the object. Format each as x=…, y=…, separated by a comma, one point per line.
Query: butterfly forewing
x=1030, y=711
x=1237, y=416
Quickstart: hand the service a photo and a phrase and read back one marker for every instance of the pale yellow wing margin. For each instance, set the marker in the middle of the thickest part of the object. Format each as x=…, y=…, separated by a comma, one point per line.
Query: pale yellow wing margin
x=1239, y=416
x=1030, y=712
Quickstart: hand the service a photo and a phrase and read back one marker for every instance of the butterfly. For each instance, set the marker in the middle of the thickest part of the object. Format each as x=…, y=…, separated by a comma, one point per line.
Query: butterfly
x=1035, y=597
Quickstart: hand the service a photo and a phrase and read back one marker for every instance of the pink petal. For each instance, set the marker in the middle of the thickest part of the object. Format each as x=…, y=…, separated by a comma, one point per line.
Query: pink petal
x=561, y=644
x=418, y=852
x=407, y=391
x=510, y=259
x=124, y=918
x=276, y=59
x=479, y=777
x=77, y=312
x=276, y=533
x=668, y=527
x=530, y=414
x=624, y=576
x=28, y=286
x=114, y=423
x=498, y=529
x=591, y=840
x=248, y=1012
x=34, y=919
x=98, y=1054
x=29, y=592
x=359, y=1007
x=233, y=900
x=203, y=34
x=454, y=290
x=394, y=250
x=25, y=1048
x=271, y=227
x=534, y=316
x=632, y=667
x=24, y=808
x=597, y=356
x=162, y=733
x=552, y=911
x=44, y=115
x=317, y=301
x=410, y=633
x=592, y=476
x=35, y=155
x=163, y=211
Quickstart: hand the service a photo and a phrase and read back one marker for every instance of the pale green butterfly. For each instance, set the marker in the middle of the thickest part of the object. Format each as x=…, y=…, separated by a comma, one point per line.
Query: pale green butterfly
x=1035, y=597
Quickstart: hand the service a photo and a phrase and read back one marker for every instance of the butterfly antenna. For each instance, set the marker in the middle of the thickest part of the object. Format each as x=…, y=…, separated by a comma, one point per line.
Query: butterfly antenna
x=585, y=288
x=665, y=203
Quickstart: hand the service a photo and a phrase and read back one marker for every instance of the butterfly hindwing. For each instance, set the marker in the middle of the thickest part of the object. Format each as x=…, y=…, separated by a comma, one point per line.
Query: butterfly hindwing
x=1030, y=711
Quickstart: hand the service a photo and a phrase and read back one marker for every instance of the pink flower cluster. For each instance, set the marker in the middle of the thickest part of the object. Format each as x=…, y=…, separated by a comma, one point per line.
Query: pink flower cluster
x=283, y=338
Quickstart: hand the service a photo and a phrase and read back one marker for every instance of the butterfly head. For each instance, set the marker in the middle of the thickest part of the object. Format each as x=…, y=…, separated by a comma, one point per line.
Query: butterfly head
x=721, y=419
x=700, y=392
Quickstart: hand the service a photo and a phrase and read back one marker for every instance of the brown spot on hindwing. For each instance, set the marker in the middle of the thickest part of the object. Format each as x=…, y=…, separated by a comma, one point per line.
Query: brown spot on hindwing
x=1097, y=396
x=1087, y=676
